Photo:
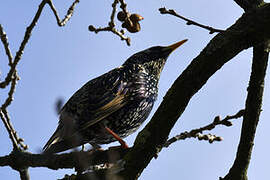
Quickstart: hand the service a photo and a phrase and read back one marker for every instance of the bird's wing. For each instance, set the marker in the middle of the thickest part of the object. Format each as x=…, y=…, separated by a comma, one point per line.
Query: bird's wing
x=117, y=101
x=98, y=98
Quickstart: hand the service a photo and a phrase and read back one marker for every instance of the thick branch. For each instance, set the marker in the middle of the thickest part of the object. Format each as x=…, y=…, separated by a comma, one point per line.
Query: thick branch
x=252, y=113
x=249, y=4
x=24, y=174
x=247, y=31
x=79, y=160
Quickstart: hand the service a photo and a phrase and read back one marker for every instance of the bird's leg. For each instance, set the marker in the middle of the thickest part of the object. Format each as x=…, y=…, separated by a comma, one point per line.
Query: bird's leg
x=120, y=140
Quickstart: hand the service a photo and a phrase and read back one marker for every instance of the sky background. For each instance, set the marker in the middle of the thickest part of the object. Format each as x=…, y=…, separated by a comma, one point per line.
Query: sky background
x=59, y=60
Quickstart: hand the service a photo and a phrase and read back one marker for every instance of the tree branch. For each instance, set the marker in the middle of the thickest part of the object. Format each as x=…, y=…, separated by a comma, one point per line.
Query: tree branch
x=12, y=77
x=196, y=133
x=24, y=174
x=9, y=128
x=247, y=31
x=67, y=16
x=27, y=36
x=3, y=37
x=19, y=53
x=111, y=25
x=249, y=4
x=15, y=139
x=21, y=160
x=189, y=22
x=252, y=113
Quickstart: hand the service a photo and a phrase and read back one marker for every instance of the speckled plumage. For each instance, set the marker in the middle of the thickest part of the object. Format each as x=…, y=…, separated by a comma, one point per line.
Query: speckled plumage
x=120, y=100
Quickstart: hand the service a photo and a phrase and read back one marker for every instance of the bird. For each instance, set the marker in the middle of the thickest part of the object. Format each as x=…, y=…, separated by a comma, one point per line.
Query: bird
x=112, y=106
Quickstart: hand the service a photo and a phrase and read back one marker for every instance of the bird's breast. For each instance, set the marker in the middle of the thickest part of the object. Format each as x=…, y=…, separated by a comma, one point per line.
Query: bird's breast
x=142, y=85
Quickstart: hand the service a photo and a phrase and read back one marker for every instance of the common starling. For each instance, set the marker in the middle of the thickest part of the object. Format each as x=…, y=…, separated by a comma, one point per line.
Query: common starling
x=113, y=105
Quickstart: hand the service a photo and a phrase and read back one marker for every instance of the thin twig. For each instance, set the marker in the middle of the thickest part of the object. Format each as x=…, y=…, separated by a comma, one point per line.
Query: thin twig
x=16, y=141
x=189, y=22
x=19, y=140
x=11, y=92
x=27, y=35
x=9, y=129
x=111, y=26
x=67, y=16
x=4, y=40
x=197, y=133
x=123, y=6
x=19, y=53
x=111, y=23
x=12, y=77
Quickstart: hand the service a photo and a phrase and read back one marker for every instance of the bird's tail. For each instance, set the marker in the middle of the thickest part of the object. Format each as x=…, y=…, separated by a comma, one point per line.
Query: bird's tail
x=54, y=139
x=58, y=144
x=58, y=147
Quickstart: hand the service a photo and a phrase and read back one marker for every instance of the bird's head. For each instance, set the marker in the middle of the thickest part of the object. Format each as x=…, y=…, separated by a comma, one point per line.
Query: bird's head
x=152, y=59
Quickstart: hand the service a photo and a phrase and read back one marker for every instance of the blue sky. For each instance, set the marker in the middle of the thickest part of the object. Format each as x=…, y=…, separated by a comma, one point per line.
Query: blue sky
x=58, y=61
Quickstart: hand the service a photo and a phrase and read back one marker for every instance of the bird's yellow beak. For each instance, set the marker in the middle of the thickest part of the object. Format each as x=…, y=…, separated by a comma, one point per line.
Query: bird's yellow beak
x=175, y=45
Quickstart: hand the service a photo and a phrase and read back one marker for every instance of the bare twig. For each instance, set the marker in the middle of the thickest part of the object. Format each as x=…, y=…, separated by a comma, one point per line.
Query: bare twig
x=16, y=141
x=19, y=53
x=111, y=23
x=12, y=77
x=197, y=133
x=189, y=22
x=11, y=92
x=27, y=36
x=111, y=26
x=67, y=16
x=9, y=129
x=4, y=40
x=123, y=6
